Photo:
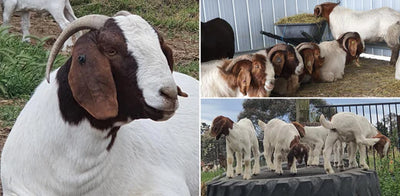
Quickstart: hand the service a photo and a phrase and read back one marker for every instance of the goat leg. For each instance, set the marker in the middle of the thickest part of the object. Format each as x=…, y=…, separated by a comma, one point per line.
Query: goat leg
x=395, y=55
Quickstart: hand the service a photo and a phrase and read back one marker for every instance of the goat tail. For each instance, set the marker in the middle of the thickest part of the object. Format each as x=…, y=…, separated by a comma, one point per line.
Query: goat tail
x=325, y=123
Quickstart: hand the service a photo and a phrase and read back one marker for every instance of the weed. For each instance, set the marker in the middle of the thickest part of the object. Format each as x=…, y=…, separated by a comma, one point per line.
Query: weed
x=22, y=65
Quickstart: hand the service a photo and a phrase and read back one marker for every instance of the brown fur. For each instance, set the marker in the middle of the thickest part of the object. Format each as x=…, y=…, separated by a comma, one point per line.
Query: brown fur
x=300, y=129
x=283, y=58
x=247, y=74
x=298, y=151
x=221, y=125
x=327, y=8
x=312, y=62
x=379, y=146
x=353, y=45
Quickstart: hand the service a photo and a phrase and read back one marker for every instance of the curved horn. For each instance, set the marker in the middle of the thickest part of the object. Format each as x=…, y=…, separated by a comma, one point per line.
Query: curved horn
x=123, y=13
x=248, y=57
x=86, y=22
x=305, y=45
x=346, y=36
x=277, y=47
x=320, y=10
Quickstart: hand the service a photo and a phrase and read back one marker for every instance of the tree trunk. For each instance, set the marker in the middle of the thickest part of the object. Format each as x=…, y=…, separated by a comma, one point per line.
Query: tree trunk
x=302, y=110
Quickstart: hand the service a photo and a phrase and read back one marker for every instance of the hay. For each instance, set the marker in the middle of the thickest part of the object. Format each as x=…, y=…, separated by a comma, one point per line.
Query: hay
x=300, y=19
x=374, y=78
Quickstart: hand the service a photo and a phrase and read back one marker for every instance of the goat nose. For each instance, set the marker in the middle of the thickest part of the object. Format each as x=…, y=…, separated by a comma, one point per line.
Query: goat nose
x=169, y=93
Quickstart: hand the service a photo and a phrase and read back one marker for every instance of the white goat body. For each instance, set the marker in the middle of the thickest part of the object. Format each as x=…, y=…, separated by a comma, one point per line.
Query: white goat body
x=315, y=138
x=278, y=138
x=242, y=141
x=212, y=84
x=335, y=60
x=355, y=130
x=61, y=11
x=372, y=25
x=148, y=157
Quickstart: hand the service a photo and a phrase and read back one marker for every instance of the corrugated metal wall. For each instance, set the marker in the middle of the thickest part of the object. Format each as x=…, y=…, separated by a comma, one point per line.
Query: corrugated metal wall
x=249, y=17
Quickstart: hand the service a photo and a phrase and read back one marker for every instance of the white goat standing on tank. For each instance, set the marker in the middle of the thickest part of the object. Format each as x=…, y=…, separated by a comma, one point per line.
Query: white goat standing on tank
x=61, y=11
x=73, y=136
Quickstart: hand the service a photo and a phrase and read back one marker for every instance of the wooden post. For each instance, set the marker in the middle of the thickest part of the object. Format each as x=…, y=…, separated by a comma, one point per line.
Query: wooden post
x=302, y=110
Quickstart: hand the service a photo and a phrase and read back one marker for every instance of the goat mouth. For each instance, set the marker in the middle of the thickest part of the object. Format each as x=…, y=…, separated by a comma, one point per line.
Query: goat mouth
x=158, y=115
x=269, y=87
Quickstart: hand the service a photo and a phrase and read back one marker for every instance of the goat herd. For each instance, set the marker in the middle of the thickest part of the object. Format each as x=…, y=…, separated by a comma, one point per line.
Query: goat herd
x=293, y=141
x=282, y=68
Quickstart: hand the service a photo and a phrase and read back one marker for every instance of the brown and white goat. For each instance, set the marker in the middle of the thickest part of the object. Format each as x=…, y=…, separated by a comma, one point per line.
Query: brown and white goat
x=247, y=75
x=240, y=139
x=355, y=130
x=312, y=59
x=288, y=66
x=93, y=129
x=373, y=25
x=283, y=139
x=335, y=54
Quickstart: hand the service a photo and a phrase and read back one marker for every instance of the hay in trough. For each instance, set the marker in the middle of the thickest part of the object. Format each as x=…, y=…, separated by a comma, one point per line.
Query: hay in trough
x=301, y=19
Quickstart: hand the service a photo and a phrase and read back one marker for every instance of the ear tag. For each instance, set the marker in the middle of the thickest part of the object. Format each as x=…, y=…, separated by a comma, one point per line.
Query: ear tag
x=82, y=59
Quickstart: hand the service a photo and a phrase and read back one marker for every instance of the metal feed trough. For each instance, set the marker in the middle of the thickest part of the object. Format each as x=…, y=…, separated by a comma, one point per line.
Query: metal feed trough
x=298, y=33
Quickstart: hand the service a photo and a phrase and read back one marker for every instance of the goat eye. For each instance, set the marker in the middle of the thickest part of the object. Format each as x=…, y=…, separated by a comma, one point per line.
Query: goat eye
x=257, y=66
x=112, y=52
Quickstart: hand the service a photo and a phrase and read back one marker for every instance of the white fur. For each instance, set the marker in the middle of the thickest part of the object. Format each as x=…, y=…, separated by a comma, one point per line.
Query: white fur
x=213, y=85
x=44, y=155
x=335, y=60
x=349, y=128
x=153, y=71
x=242, y=141
x=315, y=138
x=61, y=11
x=277, y=138
x=373, y=25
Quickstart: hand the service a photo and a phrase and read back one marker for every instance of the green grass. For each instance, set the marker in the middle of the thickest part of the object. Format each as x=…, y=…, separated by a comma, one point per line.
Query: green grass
x=388, y=170
x=207, y=176
x=172, y=14
x=191, y=68
x=9, y=112
x=22, y=65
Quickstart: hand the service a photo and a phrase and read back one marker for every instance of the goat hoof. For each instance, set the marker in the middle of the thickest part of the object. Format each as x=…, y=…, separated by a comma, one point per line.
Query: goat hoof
x=293, y=174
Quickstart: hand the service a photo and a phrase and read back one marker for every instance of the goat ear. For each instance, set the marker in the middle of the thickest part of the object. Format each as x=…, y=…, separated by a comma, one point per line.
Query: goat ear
x=243, y=81
x=352, y=46
x=91, y=80
x=306, y=156
x=278, y=61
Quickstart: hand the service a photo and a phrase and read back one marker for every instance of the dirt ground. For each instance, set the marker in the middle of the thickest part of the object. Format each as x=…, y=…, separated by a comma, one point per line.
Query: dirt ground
x=374, y=78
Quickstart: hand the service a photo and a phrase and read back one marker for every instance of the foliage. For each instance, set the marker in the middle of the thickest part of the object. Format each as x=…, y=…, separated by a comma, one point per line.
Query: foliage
x=267, y=109
x=22, y=65
x=207, y=176
x=9, y=112
x=388, y=170
x=172, y=14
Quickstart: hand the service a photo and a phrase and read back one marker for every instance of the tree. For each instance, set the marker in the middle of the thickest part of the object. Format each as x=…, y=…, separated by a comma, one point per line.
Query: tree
x=267, y=109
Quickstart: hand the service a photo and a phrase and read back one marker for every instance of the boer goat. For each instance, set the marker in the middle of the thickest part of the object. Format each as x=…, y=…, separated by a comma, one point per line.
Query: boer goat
x=217, y=40
x=373, y=25
x=283, y=139
x=335, y=52
x=355, y=130
x=313, y=61
x=240, y=139
x=314, y=138
x=288, y=65
x=247, y=75
x=61, y=11
x=65, y=140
